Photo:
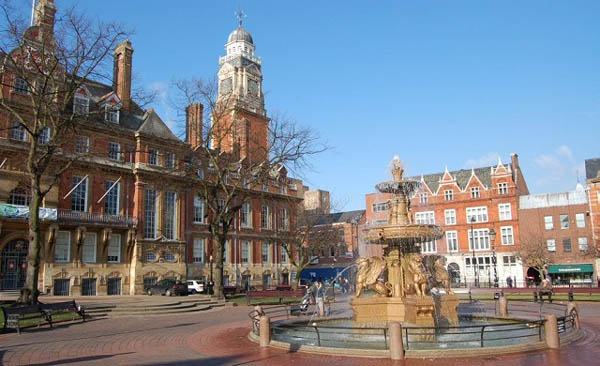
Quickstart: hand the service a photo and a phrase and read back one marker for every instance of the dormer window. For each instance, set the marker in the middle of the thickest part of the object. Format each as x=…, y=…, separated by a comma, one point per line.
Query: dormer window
x=20, y=86
x=111, y=114
x=81, y=104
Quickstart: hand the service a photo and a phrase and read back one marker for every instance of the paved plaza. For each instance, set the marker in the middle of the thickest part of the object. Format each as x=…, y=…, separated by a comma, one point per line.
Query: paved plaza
x=219, y=337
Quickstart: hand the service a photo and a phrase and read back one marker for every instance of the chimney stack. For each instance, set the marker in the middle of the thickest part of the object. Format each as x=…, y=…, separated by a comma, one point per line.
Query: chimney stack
x=193, y=124
x=123, y=57
x=44, y=16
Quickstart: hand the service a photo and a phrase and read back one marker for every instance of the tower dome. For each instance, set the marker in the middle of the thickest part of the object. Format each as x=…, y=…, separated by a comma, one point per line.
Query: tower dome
x=240, y=34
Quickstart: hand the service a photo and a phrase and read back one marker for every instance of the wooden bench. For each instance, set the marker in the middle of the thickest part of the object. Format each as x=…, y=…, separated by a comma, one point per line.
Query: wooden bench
x=12, y=315
x=274, y=293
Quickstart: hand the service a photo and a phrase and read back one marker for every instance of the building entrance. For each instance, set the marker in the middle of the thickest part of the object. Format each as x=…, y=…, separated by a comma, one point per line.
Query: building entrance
x=13, y=266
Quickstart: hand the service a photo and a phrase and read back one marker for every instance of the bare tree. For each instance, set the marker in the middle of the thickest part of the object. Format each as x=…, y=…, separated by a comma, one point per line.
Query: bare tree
x=42, y=67
x=533, y=251
x=230, y=179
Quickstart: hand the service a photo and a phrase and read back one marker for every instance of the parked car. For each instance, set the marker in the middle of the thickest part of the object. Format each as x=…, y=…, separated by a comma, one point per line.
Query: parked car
x=196, y=286
x=168, y=287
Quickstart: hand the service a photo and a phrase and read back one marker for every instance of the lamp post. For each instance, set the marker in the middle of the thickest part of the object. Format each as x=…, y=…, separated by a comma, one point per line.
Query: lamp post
x=474, y=259
x=211, y=284
x=494, y=258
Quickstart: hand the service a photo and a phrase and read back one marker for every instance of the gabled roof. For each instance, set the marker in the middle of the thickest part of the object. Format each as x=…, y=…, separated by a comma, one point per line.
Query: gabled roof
x=349, y=217
x=154, y=126
x=462, y=177
x=592, y=168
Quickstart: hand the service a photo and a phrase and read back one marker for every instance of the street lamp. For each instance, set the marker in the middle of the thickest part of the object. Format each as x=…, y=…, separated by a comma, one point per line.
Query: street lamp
x=211, y=283
x=494, y=259
x=474, y=260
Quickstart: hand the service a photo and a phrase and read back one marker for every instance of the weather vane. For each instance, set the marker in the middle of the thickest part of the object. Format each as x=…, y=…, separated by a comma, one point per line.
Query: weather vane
x=240, y=15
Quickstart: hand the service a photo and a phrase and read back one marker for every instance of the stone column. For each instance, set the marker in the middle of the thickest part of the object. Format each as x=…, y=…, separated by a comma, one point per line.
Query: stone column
x=551, y=330
x=503, y=305
x=396, y=346
x=265, y=331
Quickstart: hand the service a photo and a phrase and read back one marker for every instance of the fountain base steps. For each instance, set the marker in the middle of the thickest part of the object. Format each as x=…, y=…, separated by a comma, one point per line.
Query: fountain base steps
x=144, y=309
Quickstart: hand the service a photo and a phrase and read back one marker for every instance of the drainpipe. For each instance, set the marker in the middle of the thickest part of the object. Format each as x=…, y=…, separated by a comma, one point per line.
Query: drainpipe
x=187, y=230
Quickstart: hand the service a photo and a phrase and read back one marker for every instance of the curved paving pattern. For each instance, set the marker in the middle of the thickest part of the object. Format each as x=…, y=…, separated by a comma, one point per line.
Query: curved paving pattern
x=219, y=337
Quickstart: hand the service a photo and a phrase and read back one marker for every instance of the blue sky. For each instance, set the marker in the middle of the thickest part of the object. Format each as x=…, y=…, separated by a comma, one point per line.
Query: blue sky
x=454, y=83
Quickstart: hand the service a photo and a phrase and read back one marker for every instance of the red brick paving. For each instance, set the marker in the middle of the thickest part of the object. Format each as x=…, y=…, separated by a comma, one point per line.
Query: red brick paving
x=220, y=338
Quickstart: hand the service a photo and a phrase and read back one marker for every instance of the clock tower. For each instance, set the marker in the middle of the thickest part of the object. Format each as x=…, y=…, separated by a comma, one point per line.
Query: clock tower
x=243, y=124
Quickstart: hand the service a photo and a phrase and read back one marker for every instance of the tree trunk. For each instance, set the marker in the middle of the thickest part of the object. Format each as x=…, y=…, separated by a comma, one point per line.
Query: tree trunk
x=30, y=295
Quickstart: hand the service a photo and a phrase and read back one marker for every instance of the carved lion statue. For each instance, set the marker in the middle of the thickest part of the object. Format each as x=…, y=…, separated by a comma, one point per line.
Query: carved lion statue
x=369, y=270
x=415, y=277
x=435, y=266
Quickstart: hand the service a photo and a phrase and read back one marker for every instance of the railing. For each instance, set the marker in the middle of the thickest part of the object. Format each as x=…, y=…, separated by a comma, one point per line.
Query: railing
x=94, y=217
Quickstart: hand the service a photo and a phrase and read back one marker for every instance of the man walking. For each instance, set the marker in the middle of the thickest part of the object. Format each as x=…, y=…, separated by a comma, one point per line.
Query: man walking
x=320, y=298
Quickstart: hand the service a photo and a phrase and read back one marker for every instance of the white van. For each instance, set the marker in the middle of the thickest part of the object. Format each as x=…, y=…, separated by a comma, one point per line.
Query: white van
x=196, y=286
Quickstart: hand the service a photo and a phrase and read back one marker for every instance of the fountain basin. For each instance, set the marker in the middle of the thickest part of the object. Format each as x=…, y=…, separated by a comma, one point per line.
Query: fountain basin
x=416, y=233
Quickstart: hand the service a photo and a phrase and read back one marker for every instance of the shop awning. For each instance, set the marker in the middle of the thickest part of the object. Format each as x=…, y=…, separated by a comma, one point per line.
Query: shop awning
x=571, y=268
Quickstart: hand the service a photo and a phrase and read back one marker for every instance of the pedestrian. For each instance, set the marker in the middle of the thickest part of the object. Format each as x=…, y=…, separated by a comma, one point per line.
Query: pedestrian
x=509, y=281
x=320, y=298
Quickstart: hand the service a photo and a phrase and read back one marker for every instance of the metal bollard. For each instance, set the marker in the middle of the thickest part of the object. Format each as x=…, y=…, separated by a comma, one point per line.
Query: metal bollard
x=535, y=296
x=396, y=346
x=265, y=331
x=551, y=330
x=503, y=305
x=571, y=298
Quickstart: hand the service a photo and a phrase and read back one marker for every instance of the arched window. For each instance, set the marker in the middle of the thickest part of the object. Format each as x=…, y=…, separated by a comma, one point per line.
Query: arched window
x=19, y=196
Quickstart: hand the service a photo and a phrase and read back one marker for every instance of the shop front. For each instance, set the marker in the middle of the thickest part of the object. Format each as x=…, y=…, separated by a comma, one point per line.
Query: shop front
x=572, y=274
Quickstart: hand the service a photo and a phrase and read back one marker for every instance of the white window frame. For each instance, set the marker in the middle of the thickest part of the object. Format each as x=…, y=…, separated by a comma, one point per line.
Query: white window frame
x=582, y=242
x=20, y=86
x=283, y=219
x=480, y=213
x=380, y=207
x=150, y=209
x=152, y=157
x=246, y=255
x=450, y=217
x=199, y=209
x=452, y=241
x=481, y=239
x=18, y=132
x=429, y=246
x=448, y=195
x=475, y=192
x=265, y=217
x=115, y=245
x=507, y=235
x=44, y=136
x=267, y=246
x=116, y=193
x=90, y=250
x=423, y=197
x=170, y=160
x=66, y=251
x=503, y=188
x=111, y=114
x=83, y=186
x=81, y=104
x=580, y=220
x=551, y=245
x=226, y=252
x=504, y=212
x=114, y=150
x=82, y=144
x=246, y=215
x=425, y=217
x=199, y=251
x=170, y=209
x=548, y=223
x=562, y=221
x=283, y=255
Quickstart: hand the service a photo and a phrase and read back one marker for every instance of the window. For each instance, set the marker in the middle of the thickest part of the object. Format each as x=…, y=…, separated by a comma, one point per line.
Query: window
x=200, y=173
x=220, y=205
x=284, y=255
x=551, y=245
x=509, y=261
x=502, y=188
x=150, y=214
x=564, y=221
x=44, y=136
x=426, y=217
x=114, y=150
x=170, y=257
x=246, y=215
x=583, y=244
x=479, y=239
x=170, y=161
x=265, y=221
x=111, y=114
x=81, y=104
x=504, y=211
x=170, y=215
x=379, y=207
x=475, y=192
x=153, y=157
x=449, y=195
x=507, y=235
x=424, y=198
x=17, y=132
x=89, y=248
x=246, y=251
x=198, y=250
x=282, y=189
x=114, y=249
x=450, y=216
x=283, y=219
x=198, y=210
x=62, y=251
x=19, y=196
x=428, y=247
x=580, y=220
x=150, y=257
x=266, y=253
x=452, y=241
x=567, y=245
x=265, y=187
x=477, y=214
x=548, y=222
x=79, y=195
x=82, y=144
x=21, y=86
x=111, y=201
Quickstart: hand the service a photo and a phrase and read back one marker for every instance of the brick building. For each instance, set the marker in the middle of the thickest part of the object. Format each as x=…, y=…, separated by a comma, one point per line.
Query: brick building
x=127, y=214
x=466, y=204
x=559, y=223
x=592, y=175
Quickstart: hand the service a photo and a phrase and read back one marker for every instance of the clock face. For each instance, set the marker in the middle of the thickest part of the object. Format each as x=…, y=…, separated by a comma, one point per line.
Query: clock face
x=252, y=87
x=226, y=86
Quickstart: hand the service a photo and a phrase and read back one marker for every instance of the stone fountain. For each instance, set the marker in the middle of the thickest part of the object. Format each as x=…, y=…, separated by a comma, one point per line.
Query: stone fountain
x=401, y=280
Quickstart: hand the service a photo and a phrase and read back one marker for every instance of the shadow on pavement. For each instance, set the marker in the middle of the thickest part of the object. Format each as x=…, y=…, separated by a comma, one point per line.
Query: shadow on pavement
x=77, y=360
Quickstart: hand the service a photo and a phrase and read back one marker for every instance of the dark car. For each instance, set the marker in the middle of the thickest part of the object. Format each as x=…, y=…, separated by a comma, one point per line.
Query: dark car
x=168, y=287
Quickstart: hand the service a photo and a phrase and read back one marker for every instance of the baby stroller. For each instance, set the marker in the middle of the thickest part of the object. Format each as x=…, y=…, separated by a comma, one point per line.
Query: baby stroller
x=302, y=309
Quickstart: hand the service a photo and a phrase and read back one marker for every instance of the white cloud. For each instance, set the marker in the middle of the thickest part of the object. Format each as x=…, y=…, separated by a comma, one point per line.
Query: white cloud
x=565, y=151
x=557, y=169
x=488, y=159
x=162, y=91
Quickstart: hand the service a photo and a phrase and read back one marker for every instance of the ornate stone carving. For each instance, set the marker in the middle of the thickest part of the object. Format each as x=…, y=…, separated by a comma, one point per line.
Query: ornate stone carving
x=369, y=270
